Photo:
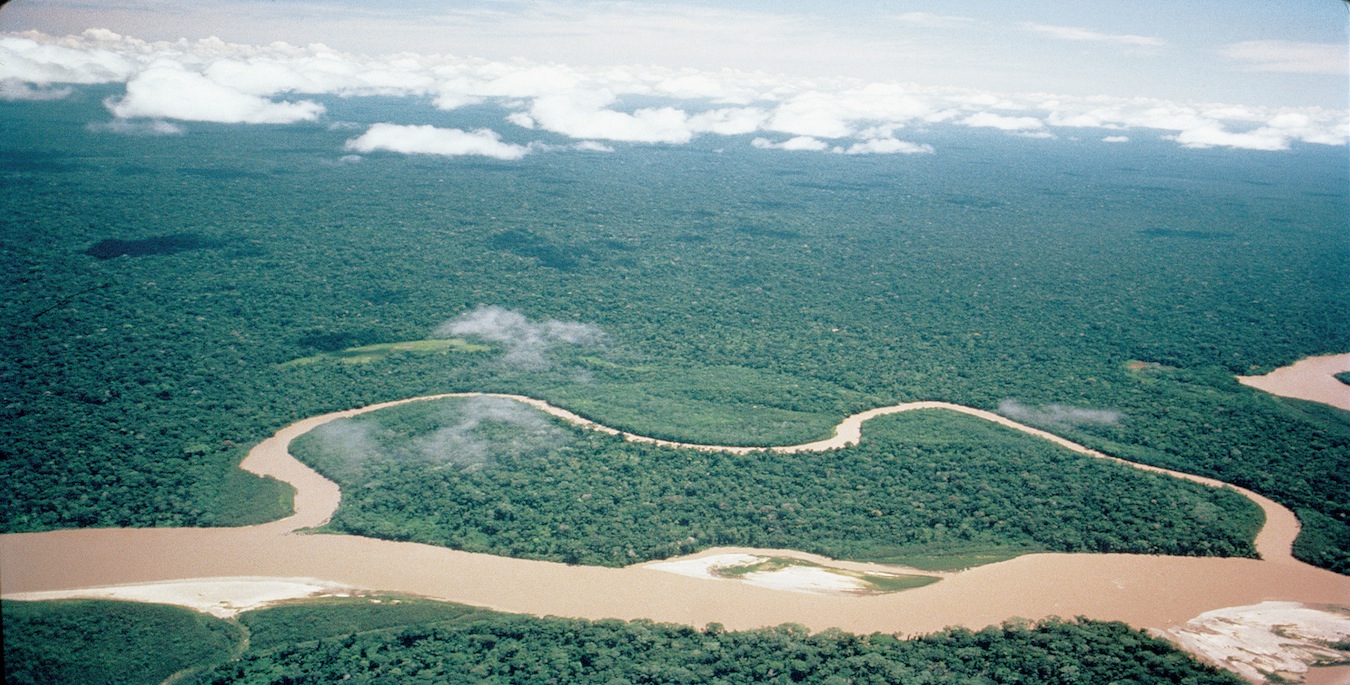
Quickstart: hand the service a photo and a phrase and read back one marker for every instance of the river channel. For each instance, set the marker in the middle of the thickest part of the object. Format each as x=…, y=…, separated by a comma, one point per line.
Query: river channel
x=1145, y=591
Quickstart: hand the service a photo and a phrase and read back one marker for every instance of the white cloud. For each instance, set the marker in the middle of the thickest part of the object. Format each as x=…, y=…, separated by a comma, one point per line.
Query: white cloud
x=451, y=100
x=1005, y=123
x=1253, y=128
x=729, y=122
x=35, y=58
x=1215, y=136
x=1116, y=139
x=796, y=144
x=523, y=81
x=886, y=146
x=1282, y=56
x=1082, y=34
x=1057, y=414
x=718, y=87
x=813, y=113
x=165, y=90
x=583, y=114
x=874, y=146
x=592, y=146
x=138, y=128
x=430, y=140
x=212, y=80
x=526, y=342
x=12, y=89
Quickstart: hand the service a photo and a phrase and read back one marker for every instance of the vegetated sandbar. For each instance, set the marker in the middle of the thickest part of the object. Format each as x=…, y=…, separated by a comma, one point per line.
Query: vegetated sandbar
x=1142, y=590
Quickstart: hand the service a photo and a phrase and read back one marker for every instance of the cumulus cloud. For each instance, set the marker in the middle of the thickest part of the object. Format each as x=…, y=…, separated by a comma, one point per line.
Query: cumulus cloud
x=813, y=113
x=796, y=144
x=1001, y=122
x=871, y=146
x=592, y=146
x=166, y=90
x=1282, y=56
x=1116, y=139
x=584, y=114
x=1082, y=34
x=1252, y=128
x=211, y=80
x=733, y=121
x=430, y=140
x=1057, y=414
x=886, y=146
x=526, y=342
x=12, y=89
x=39, y=59
x=1264, y=138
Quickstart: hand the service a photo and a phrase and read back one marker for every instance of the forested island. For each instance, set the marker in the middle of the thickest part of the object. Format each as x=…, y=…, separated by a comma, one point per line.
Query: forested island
x=487, y=474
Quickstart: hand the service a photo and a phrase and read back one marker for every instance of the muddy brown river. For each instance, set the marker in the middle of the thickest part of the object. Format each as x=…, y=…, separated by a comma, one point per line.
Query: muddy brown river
x=1144, y=591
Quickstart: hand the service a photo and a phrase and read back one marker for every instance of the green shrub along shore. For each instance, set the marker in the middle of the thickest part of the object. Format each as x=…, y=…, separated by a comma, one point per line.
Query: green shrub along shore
x=401, y=640
x=730, y=298
x=491, y=475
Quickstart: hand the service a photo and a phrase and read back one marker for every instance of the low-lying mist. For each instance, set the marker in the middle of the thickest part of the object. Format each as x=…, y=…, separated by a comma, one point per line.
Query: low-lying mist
x=526, y=342
x=472, y=433
x=1058, y=414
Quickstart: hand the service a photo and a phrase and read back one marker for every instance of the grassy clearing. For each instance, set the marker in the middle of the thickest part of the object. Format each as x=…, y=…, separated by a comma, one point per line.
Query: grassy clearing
x=882, y=584
x=953, y=561
x=873, y=583
x=371, y=353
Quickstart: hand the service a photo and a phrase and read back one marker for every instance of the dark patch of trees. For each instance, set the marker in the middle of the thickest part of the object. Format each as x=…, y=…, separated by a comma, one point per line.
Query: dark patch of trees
x=109, y=248
x=92, y=642
x=515, y=649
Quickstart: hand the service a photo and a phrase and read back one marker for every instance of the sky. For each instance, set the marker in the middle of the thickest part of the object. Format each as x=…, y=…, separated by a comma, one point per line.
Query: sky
x=860, y=77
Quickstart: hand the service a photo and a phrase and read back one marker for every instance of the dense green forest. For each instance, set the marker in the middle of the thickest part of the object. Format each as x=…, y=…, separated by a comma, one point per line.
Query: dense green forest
x=418, y=641
x=737, y=295
x=79, y=642
x=491, y=475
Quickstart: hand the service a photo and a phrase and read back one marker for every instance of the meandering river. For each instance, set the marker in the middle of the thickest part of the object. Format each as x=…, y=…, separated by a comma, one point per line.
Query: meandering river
x=1144, y=591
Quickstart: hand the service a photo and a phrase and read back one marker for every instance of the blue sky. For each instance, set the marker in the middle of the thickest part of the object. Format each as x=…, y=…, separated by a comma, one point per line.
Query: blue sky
x=850, y=76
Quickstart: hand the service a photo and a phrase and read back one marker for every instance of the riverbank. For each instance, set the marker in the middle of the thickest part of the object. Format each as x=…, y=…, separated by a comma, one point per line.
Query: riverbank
x=1143, y=591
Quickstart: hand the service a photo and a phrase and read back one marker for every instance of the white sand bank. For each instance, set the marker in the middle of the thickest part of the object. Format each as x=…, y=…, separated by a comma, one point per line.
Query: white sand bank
x=1269, y=638
x=812, y=579
x=806, y=577
x=704, y=567
x=222, y=597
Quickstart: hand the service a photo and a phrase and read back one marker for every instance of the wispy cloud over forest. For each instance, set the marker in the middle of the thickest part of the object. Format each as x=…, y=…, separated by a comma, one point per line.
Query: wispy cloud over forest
x=526, y=342
x=1057, y=414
